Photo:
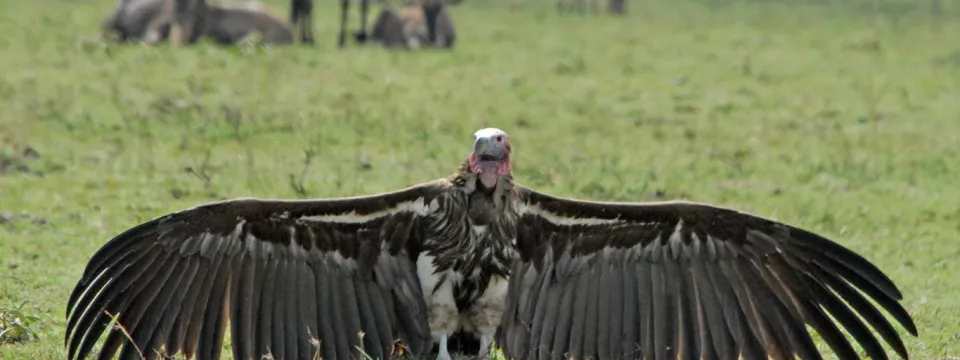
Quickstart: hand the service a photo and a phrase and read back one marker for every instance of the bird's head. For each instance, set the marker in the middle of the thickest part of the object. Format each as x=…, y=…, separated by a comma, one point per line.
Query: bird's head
x=491, y=155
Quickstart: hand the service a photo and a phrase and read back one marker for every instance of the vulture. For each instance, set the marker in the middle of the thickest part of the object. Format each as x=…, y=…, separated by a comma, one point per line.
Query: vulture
x=545, y=277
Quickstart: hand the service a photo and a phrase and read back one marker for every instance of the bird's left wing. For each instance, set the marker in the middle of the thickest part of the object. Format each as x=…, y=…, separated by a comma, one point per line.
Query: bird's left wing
x=294, y=279
x=685, y=280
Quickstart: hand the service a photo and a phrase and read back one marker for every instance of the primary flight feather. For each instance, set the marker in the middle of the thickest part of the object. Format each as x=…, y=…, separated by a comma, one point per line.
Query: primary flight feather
x=546, y=277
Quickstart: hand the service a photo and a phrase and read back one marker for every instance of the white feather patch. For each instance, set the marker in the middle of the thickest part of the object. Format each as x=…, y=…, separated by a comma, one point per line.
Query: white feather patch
x=562, y=220
x=352, y=217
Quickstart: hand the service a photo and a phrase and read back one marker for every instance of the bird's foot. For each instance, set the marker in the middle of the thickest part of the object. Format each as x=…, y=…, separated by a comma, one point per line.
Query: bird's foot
x=485, y=342
x=443, y=354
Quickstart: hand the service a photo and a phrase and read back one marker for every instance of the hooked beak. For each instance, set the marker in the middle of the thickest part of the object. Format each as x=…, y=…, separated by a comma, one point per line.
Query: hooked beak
x=487, y=150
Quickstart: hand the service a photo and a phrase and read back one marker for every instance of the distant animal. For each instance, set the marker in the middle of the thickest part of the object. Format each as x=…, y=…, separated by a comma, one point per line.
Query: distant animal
x=150, y=21
x=228, y=24
x=301, y=16
x=428, y=24
x=546, y=277
x=139, y=20
x=618, y=7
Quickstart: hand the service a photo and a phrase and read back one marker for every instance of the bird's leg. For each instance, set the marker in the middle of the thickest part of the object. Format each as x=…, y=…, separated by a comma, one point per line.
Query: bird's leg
x=442, y=317
x=443, y=353
x=485, y=341
x=486, y=312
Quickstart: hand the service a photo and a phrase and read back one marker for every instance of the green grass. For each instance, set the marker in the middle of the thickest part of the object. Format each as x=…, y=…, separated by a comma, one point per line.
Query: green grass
x=843, y=119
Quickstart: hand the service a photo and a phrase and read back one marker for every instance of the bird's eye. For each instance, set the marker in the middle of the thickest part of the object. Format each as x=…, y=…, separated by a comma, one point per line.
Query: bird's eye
x=499, y=138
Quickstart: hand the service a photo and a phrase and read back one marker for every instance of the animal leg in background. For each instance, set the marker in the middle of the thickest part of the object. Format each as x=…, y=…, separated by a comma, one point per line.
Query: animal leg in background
x=362, y=35
x=344, y=10
x=439, y=25
x=301, y=16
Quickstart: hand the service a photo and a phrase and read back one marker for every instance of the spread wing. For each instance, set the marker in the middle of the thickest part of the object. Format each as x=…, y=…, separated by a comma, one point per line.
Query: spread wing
x=686, y=280
x=291, y=277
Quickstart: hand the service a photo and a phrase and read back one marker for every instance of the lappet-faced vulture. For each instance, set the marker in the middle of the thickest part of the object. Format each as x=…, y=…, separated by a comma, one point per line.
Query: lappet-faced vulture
x=544, y=276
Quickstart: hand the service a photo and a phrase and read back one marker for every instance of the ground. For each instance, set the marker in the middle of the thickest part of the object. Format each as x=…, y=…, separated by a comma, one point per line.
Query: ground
x=832, y=116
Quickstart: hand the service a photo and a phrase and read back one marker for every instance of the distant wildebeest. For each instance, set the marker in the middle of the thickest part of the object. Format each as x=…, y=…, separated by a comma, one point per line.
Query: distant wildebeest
x=301, y=16
x=150, y=21
x=139, y=20
x=228, y=24
x=427, y=24
x=301, y=12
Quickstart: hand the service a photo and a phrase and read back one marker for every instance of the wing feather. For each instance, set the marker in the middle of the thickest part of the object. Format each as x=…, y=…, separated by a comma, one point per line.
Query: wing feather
x=170, y=314
x=327, y=337
x=351, y=316
x=756, y=339
x=213, y=326
x=265, y=343
x=242, y=307
x=662, y=313
x=122, y=305
x=341, y=328
x=133, y=315
x=579, y=315
x=178, y=332
x=711, y=314
x=604, y=323
x=687, y=280
x=87, y=319
x=863, y=307
x=631, y=321
x=645, y=310
x=546, y=317
x=689, y=332
x=615, y=314
x=591, y=320
x=146, y=328
x=285, y=275
x=564, y=313
x=541, y=309
x=373, y=347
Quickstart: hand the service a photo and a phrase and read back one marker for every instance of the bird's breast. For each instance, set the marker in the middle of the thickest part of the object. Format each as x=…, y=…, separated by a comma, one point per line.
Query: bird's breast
x=481, y=211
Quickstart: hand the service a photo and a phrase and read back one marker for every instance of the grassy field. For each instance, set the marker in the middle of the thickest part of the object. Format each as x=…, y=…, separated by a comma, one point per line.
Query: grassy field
x=842, y=119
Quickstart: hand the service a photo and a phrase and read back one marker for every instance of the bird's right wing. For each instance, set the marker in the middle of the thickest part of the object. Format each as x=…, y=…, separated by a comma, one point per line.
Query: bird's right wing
x=334, y=277
x=687, y=280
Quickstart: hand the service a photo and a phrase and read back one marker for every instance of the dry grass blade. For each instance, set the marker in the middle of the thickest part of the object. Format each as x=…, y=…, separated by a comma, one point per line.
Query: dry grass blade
x=114, y=322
